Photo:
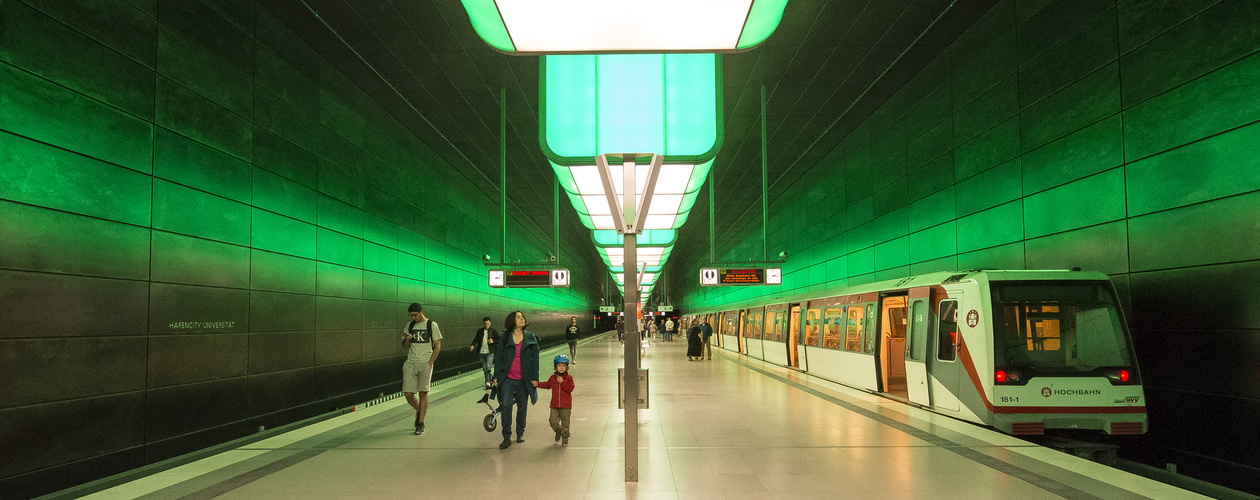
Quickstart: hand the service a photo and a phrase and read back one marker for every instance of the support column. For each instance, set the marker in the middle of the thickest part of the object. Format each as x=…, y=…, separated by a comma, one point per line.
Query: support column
x=631, y=267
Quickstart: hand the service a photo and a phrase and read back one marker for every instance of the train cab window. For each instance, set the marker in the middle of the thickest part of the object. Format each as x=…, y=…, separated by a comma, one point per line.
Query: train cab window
x=918, y=326
x=813, y=324
x=855, y=323
x=1058, y=327
x=947, y=330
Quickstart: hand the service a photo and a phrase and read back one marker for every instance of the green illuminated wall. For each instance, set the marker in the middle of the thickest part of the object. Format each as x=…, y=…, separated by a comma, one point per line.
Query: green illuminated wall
x=1113, y=136
x=204, y=229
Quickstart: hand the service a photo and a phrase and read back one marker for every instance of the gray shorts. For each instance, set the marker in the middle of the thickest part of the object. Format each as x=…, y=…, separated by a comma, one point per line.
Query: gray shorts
x=416, y=377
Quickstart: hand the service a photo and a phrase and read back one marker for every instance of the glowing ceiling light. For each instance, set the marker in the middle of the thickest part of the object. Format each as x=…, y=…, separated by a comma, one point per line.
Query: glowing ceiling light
x=584, y=26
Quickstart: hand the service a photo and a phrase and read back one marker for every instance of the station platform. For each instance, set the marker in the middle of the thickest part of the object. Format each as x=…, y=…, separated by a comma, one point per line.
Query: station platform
x=726, y=428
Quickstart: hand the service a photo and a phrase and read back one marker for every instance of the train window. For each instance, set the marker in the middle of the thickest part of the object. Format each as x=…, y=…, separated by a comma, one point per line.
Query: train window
x=918, y=326
x=870, y=320
x=947, y=330
x=833, y=327
x=1057, y=326
x=780, y=324
x=813, y=324
x=855, y=326
x=754, y=324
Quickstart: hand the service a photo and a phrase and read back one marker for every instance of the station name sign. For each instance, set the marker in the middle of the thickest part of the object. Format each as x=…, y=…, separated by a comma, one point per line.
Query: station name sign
x=724, y=276
x=535, y=278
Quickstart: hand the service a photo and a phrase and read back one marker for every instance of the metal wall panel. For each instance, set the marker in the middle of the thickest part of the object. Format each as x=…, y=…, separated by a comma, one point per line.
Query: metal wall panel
x=53, y=305
x=82, y=367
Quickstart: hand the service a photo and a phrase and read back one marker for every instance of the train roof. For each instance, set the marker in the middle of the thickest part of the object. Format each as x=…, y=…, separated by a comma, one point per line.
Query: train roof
x=936, y=278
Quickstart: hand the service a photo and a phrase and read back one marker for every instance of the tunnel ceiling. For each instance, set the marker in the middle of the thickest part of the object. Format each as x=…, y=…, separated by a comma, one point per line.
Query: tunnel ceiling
x=826, y=68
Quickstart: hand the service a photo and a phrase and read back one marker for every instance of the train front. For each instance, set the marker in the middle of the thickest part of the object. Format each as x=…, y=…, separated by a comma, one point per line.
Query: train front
x=1063, y=358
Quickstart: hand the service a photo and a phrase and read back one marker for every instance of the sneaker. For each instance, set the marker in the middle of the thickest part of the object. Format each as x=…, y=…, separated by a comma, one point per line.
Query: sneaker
x=520, y=439
x=565, y=442
x=420, y=429
x=417, y=423
x=557, y=435
x=506, y=442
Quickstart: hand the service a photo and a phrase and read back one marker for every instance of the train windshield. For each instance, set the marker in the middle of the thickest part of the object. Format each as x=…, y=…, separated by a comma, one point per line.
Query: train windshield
x=1055, y=326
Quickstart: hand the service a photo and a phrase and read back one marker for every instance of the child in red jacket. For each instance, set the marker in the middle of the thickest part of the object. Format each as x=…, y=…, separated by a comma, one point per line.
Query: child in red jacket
x=561, y=385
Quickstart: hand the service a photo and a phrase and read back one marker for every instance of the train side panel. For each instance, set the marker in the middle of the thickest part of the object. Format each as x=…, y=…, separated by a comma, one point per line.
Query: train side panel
x=849, y=368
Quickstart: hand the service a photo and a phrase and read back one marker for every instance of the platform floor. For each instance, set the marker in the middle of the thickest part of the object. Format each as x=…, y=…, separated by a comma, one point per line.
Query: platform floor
x=728, y=428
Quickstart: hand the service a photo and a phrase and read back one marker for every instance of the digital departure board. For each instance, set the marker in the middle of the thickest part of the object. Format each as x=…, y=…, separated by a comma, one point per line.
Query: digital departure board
x=723, y=276
x=534, y=278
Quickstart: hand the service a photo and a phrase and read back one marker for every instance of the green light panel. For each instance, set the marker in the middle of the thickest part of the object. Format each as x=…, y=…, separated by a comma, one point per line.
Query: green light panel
x=484, y=15
x=663, y=103
x=763, y=18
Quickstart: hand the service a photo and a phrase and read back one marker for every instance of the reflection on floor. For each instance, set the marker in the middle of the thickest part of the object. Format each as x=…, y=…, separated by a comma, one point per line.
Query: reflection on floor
x=726, y=428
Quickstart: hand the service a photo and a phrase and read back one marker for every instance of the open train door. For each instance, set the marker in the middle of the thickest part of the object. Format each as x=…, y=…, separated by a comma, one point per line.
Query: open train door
x=916, y=345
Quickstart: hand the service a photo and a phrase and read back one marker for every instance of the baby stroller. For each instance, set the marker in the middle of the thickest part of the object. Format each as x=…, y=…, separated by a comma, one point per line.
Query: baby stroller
x=491, y=421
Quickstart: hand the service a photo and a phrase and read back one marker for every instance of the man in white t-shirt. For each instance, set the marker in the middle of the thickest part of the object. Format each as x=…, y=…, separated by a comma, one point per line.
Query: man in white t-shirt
x=423, y=341
x=669, y=326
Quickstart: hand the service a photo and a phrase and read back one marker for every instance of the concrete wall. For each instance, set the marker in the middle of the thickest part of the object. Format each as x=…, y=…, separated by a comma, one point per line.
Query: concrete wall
x=204, y=229
x=1113, y=136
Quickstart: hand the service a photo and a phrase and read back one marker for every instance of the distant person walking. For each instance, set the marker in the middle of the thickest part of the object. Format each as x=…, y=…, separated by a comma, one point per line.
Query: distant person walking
x=561, y=386
x=706, y=331
x=515, y=372
x=423, y=340
x=485, y=342
x=571, y=334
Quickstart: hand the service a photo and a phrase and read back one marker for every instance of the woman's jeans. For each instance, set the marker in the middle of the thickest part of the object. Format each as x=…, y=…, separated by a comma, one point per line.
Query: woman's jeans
x=487, y=364
x=513, y=392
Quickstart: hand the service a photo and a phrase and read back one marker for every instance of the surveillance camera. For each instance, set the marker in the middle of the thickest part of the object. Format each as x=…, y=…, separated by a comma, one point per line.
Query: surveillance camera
x=550, y=257
x=485, y=257
x=782, y=255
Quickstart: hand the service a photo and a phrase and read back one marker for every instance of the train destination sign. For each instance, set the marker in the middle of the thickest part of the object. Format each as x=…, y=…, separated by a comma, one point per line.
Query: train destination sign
x=534, y=278
x=741, y=276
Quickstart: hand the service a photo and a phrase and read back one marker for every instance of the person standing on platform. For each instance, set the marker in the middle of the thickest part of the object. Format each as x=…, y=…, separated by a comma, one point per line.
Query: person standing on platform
x=485, y=342
x=694, y=342
x=706, y=331
x=669, y=326
x=515, y=373
x=621, y=330
x=652, y=329
x=571, y=335
x=423, y=340
x=561, y=385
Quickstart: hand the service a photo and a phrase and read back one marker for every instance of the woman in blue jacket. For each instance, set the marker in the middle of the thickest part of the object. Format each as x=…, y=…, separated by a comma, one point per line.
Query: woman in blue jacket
x=515, y=371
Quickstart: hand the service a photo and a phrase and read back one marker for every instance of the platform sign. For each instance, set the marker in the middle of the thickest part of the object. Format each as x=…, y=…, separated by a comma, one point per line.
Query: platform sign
x=665, y=308
x=724, y=276
x=535, y=278
x=708, y=276
x=607, y=309
x=559, y=277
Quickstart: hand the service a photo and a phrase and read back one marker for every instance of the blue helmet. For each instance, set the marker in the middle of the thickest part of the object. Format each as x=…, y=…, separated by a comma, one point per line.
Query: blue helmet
x=562, y=358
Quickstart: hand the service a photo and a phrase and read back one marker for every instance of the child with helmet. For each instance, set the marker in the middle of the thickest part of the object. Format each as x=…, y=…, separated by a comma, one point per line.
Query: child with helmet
x=561, y=386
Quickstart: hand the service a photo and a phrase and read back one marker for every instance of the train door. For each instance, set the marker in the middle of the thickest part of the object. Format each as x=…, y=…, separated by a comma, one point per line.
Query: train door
x=916, y=346
x=892, y=344
x=794, y=330
x=943, y=365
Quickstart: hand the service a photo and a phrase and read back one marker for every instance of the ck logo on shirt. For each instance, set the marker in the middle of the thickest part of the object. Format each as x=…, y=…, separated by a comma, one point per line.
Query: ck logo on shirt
x=420, y=335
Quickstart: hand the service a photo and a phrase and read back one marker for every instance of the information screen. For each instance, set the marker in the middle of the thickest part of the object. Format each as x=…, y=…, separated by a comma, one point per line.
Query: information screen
x=527, y=278
x=721, y=276
x=746, y=276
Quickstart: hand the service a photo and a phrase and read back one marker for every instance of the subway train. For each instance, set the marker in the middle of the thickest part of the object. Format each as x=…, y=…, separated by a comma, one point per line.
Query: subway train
x=1022, y=351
